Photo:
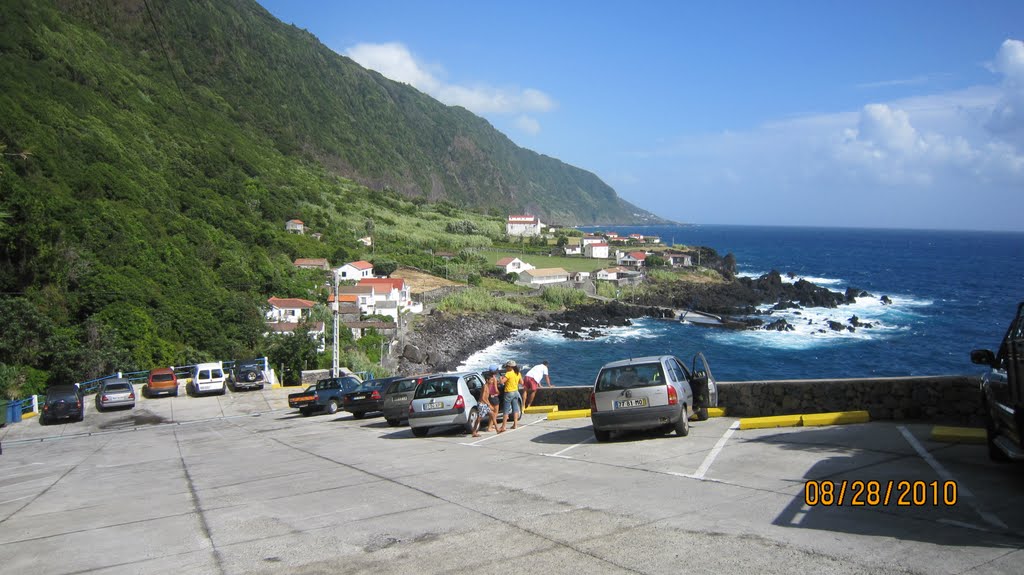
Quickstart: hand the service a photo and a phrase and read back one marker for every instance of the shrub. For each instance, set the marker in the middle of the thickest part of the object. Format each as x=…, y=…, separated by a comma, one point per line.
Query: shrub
x=478, y=300
x=560, y=296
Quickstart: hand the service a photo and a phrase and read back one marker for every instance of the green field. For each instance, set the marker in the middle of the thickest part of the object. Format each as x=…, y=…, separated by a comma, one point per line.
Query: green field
x=569, y=264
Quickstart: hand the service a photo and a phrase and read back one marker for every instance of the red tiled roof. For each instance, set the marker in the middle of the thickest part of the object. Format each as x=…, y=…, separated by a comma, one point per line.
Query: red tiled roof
x=343, y=297
x=296, y=222
x=638, y=255
x=396, y=283
x=361, y=265
x=290, y=303
x=598, y=245
x=505, y=261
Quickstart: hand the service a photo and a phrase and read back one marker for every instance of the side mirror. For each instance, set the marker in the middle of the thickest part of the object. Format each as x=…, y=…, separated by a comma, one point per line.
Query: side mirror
x=983, y=357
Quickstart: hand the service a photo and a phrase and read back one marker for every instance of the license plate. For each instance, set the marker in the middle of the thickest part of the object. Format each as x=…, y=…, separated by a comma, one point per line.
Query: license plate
x=640, y=402
x=434, y=406
x=358, y=397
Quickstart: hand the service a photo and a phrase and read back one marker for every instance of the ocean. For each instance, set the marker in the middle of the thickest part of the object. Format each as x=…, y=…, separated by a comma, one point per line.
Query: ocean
x=951, y=292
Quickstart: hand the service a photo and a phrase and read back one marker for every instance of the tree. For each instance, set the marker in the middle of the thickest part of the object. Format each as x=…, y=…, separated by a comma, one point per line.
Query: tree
x=655, y=262
x=294, y=352
x=383, y=267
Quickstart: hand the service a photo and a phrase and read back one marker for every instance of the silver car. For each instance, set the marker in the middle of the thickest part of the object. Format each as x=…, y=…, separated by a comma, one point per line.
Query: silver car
x=445, y=400
x=650, y=393
x=116, y=392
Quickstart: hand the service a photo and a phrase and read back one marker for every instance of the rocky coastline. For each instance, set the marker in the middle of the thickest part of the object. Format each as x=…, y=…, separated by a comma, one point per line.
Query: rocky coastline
x=442, y=340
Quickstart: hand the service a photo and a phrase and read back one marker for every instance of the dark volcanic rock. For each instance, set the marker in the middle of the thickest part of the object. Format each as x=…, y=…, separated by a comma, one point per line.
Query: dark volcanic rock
x=885, y=300
x=779, y=325
x=836, y=326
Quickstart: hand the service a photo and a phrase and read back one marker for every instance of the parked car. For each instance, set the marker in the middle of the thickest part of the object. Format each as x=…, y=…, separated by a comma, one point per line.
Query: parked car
x=304, y=401
x=247, y=374
x=62, y=402
x=1002, y=390
x=445, y=400
x=649, y=393
x=330, y=391
x=208, y=378
x=397, y=398
x=161, y=381
x=115, y=392
x=367, y=398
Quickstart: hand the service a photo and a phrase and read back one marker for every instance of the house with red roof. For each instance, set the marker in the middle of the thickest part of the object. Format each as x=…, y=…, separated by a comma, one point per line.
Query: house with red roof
x=513, y=265
x=288, y=309
x=392, y=296
x=632, y=259
x=354, y=271
x=523, y=225
x=295, y=227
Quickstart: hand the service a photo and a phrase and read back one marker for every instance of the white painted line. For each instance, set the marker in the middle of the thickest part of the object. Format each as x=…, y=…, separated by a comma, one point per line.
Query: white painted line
x=944, y=473
x=506, y=432
x=798, y=517
x=559, y=454
x=963, y=524
x=13, y=500
x=703, y=469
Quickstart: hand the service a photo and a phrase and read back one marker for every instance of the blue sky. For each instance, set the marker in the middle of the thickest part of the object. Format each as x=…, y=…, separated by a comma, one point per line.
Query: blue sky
x=866, y=114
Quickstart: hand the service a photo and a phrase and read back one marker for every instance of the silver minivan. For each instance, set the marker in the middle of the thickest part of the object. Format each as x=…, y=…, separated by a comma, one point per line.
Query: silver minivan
x=445, y=400
x=649, y=393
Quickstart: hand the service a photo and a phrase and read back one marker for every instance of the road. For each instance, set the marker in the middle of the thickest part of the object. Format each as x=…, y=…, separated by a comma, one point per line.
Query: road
x=238, y=484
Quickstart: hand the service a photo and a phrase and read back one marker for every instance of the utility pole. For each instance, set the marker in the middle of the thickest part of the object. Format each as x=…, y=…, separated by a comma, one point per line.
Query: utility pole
x=334, y=347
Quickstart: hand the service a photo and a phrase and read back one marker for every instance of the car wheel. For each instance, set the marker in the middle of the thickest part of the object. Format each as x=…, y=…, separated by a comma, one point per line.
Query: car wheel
x=683, y=425
x=99, y=408
x=602, y=435
x=394, y=422
x=358, y=414
x=420, y=431
x=994, y=453
x=702, y=414
x=474, y=415
x=332, y=407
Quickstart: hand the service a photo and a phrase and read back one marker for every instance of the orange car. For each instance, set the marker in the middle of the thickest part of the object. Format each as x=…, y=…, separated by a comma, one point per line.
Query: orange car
x=162, y=380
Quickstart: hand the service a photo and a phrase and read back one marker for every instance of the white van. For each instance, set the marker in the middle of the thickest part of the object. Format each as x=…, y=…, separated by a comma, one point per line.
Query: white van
x=208, y=378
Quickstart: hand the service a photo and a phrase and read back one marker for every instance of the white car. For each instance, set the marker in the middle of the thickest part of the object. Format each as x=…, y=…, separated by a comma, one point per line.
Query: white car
x=445, y=400
x=650, y=393
x=208, y=378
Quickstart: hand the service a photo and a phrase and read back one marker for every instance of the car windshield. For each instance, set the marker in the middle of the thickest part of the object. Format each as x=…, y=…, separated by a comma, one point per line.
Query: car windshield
x=115, y=387
x=629, y=376
x=440, y=387
x=367, y=386
x=163, y=377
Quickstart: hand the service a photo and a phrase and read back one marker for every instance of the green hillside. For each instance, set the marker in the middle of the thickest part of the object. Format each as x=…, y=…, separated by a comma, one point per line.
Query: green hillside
x=151, y=159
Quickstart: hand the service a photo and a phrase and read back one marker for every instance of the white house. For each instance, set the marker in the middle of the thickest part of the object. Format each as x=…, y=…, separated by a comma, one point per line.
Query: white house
x=523, y=225
x=599, y=251
x=579, y=277
x=612, y=274
x=677, y=259
x=295, y=227
x=539, y=277
x=366, y=241
x=572, y=250
x=316, y=331
x=591, y=240
x=363, y=296
x=513, y=265
x=633, y=259
x=288, y=309
x=354, y=271
x=389, y=290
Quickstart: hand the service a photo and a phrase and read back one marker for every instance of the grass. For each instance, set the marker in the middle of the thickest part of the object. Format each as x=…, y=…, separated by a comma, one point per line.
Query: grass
x=569, y=264
x=562, y=297
x=479, y=300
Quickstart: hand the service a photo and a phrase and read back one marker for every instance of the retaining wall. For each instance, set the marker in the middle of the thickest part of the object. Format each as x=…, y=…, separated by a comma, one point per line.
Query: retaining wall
x=951, y=399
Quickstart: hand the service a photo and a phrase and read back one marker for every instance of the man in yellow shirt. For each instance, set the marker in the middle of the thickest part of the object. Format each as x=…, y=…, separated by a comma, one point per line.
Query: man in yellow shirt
x=513, y=400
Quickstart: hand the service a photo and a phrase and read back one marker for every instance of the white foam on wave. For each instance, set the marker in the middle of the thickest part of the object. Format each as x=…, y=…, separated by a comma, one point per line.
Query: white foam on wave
x=816, y=280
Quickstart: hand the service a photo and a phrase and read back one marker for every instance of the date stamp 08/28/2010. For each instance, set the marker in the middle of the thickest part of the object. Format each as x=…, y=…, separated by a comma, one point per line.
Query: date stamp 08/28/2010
x=900, y=493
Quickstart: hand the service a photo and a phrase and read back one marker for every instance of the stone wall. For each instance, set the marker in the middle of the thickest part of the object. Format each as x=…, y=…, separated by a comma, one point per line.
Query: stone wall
x=953, y=399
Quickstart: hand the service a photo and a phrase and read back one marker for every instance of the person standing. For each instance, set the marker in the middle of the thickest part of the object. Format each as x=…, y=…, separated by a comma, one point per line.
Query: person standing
x=513, y=402
x=532, y=381
x=488, y=401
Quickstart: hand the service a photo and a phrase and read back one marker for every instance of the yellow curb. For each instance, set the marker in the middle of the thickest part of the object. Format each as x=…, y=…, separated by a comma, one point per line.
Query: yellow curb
x=958, y=434
x=541, y=409
x=25, y=416
x=836, y=418
x=573, y=414
x=716, y=411
x=771, y=421
x=276, y=386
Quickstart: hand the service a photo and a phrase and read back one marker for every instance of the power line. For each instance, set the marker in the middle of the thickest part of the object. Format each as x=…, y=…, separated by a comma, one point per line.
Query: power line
x=167, y=57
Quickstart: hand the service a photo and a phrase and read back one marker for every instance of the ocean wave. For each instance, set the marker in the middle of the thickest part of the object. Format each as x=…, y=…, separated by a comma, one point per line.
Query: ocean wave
x=816, y=280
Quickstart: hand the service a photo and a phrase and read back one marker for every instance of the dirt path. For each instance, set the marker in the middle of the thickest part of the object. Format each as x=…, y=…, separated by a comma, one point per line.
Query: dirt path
x=420, y=281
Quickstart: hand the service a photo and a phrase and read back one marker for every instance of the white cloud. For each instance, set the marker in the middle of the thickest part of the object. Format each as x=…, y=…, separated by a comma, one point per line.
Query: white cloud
x=395, y=61
x=528, y=125
x=954, y=159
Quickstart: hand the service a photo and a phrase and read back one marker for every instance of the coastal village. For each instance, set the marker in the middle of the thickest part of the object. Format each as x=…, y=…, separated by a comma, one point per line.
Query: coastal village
x=370, y=302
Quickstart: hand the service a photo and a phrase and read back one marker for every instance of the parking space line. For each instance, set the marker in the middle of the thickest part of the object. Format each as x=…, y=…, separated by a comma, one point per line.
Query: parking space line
x=703, y=469
x=944, y=473
x=507, y=431
x=559, y=454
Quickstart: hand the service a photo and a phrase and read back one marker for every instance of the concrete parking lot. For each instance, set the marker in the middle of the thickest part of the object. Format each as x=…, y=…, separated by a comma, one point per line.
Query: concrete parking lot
x=240, y=484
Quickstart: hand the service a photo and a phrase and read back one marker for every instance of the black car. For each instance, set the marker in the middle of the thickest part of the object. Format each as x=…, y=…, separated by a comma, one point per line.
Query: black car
x=62, y=402
x=1003, y=392
x=247, y=374
x=368, y=397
